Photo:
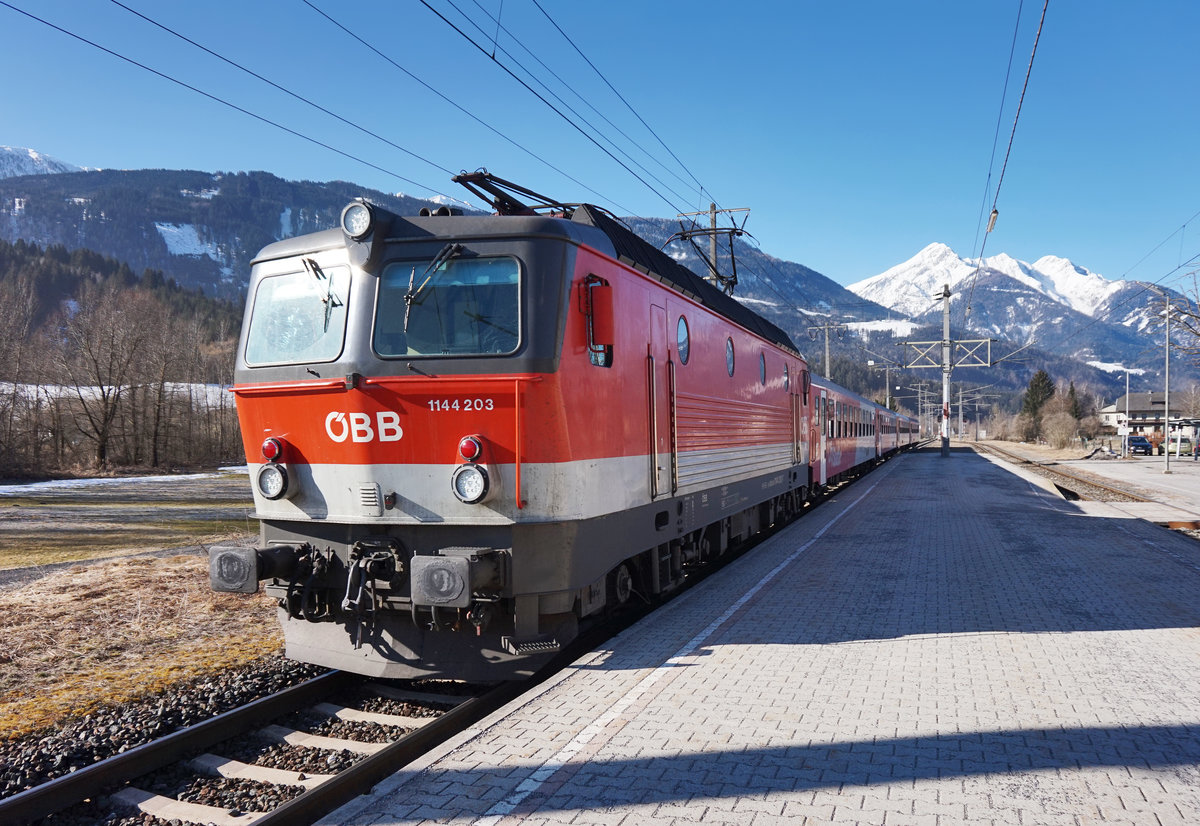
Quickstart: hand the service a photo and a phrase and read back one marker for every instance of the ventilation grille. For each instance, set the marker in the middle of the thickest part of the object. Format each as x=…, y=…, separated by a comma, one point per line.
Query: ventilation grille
x=370, y=500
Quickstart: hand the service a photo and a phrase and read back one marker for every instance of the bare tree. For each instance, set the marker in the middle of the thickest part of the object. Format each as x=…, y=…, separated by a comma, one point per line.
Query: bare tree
x=98, y=344
x=1059, y=427
x=1185, y=320
x=21, y=394
x=1188, y=401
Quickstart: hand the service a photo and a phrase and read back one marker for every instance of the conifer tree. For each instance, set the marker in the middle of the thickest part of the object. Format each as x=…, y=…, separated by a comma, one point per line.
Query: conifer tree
x=1040, y=389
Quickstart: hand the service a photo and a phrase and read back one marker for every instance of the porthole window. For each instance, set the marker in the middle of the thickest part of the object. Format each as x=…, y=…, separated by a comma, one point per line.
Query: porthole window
x=787, y=381
x=682, y=342
x=762, y=368
x=729, y=355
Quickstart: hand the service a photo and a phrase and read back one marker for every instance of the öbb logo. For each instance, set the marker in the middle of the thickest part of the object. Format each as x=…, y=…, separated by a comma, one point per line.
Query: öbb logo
x=357, y=427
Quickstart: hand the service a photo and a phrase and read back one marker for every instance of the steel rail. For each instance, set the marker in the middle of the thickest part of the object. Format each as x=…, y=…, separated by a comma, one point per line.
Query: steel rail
x=1055, y=469
x=359, y=778
x=61, y=792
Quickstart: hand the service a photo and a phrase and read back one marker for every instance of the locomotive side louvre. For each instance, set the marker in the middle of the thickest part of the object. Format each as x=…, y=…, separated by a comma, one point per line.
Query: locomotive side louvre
x=609, y=426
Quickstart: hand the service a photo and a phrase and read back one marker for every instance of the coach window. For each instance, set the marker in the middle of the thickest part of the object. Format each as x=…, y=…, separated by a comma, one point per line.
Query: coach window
x=682, y=341
x=787, y=382
x=762, y=368
x=729, y=355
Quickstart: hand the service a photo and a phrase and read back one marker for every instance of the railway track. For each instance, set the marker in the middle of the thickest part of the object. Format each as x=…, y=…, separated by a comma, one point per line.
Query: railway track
x=211, y=787
x=1071, y=485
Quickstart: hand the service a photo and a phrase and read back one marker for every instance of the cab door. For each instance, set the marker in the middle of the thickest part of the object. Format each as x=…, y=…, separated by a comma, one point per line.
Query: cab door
x=660, y=389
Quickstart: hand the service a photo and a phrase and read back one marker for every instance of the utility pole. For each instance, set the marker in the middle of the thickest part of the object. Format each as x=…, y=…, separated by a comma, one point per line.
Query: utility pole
x=725, y=283
x=968, y=356
x=712, y=239
x=887, y=378
x=1166, y=380
x=960, y=420
x=947, y=367
x=837, y=327
x=1125, y=441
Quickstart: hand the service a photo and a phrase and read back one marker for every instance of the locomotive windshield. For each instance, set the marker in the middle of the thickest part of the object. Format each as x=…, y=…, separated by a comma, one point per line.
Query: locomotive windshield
x=299, y=317
x=454, y=306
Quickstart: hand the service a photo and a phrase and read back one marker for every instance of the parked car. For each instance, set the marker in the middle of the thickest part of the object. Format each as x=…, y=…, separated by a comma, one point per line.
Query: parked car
x=1140, y=444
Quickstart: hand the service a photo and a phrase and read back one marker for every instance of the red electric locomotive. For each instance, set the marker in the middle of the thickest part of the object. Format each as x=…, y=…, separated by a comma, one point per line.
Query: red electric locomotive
x=468, y=434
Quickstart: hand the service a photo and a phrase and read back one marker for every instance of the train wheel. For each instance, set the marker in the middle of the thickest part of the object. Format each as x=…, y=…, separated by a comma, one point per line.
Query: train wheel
x=620, y=586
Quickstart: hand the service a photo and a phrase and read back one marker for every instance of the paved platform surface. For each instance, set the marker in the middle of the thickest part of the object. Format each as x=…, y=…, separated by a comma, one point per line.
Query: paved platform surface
x=943, y=643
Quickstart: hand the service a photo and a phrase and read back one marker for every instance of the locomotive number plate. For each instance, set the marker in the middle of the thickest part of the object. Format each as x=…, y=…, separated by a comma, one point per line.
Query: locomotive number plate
x=464, y=404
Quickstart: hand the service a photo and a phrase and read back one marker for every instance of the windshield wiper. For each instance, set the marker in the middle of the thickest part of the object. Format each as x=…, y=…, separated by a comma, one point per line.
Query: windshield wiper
x=447, y=252
x=329, y=299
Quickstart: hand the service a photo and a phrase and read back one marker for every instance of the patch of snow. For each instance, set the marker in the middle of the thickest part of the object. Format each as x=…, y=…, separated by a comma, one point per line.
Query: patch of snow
x=286, y=230
x=1110, y=367
x=210, y=395
x=183, y=239
x=72, y=484
x=897, y=327
x=741, y=299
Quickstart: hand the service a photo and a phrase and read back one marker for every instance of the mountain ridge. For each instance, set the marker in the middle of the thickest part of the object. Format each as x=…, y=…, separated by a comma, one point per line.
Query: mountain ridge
x=203, y=228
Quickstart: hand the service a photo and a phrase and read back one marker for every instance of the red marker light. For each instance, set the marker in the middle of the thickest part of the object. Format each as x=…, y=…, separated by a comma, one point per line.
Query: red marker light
x=470, y=448
x=272, y=449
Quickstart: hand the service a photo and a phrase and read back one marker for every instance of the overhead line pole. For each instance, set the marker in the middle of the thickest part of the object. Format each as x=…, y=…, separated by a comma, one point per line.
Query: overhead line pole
x=968, y=356
x=712, y=232
x=827, y=326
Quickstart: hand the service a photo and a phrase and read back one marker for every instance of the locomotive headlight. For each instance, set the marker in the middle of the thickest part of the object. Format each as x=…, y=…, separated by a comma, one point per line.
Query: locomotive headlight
x=471, y=483
x=357, y=220
x=272, y=481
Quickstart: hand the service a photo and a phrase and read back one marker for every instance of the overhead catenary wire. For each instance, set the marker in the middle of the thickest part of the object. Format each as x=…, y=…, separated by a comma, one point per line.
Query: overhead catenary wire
x=1007, y=154
x=559, y=98
x=378, y=52
x=987, y=187
x=551, y=106
x=223, y=102
x=280, y=88
x=702, y=190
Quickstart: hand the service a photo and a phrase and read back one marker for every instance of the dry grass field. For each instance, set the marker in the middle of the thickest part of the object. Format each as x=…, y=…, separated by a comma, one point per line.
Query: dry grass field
x=85, y=621
x=113, y=631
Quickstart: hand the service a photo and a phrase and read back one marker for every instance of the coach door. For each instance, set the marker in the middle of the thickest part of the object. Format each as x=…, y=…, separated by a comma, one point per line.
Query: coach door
x=660, y=377
x=821, y=420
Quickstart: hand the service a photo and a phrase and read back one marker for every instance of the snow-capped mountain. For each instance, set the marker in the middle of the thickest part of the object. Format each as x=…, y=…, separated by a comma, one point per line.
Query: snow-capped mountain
x=1052, y=303
x=911, y=287
x=16, y=161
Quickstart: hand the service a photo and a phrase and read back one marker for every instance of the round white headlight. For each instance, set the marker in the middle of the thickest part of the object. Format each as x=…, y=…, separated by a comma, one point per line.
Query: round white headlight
x=356, y=220
x=272, y=481
x=470, y=483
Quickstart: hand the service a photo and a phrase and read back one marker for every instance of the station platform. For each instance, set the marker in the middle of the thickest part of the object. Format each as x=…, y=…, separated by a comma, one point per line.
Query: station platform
x=944, y=642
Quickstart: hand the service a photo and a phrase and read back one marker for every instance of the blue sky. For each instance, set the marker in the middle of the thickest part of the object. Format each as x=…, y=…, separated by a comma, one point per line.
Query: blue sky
x=857, y=132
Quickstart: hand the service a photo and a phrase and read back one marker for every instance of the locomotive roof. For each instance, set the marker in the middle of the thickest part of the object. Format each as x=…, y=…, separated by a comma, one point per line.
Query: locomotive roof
x=635, y=250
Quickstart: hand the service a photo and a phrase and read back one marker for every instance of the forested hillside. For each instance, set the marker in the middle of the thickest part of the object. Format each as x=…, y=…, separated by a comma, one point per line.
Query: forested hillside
x=203, y=228
x=101, y=367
